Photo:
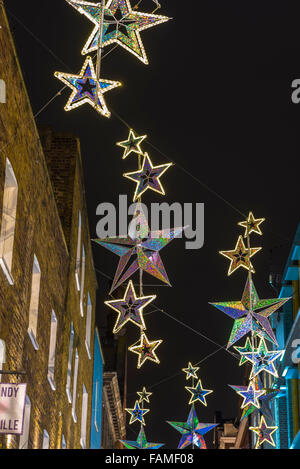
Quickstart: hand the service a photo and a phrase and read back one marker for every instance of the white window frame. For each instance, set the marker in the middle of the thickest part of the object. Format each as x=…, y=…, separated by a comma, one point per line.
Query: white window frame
x=34, y=302
x=84, y=415
x=69, y=369
x=82, y=281
x=24, y=438
x=88, y=326
x=78, y=253
x=75, y=379
x=46, y=440
x=63, y=442
x=52, y=349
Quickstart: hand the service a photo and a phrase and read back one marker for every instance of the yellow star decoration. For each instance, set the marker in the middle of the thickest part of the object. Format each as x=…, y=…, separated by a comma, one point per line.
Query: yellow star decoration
x=137, y=413
x=264, y=433
x=239, y=256
x=145, y=350
x=144, y=395
x=132, y=144
x=251, y=225
x=191, y=371
x=198, y=393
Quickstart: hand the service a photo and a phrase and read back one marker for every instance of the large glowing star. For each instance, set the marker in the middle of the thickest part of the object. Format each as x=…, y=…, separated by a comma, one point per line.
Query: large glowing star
x=144, y=246
x=251, y=225
x=264, y=433
x=240, y=256
x=251, y=314
x=250, y=394
x=145, y=350
x=137, y=413
x=198, y=393
x=141, y=442
x=263, y=359
x=132, y=144
x=130, y=308
x=148, y=177
x=192, y=431
x=85, y=89
x=121, y=26
x=191, y=371
x=144, y=395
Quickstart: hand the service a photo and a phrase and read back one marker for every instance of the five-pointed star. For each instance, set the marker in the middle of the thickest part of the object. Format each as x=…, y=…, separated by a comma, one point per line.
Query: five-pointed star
x=263, y=359
x=246, y=348
x=130, y=308
x=132, y=144
x=250, y=394
x=84, y=88
x=144, y=395
x=198, y=393
x=145, y=350
x=239, y=256
x=264, y=433
x=137, y=413
x=121, y=25
x=191, y=371
x=148, y=177
x=141, y=442
x=145, y=247
x=264, y=400
x=192, y=430
x=251, y=225
x=251, y=314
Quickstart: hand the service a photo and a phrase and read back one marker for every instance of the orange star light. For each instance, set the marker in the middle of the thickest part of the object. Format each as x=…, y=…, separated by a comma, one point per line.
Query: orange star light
x=240, y=256
x=145, y=350
x=251, y=225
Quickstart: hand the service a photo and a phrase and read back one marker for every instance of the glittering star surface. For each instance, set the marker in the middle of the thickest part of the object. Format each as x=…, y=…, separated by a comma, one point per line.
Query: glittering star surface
x=251, y=314
x=247, y=348
x=192, y=431
x=264, y=400
x=137, y=413
x=148, y=177
x=130, y=308
x=191, y=371
x=145, y=350
x=198, y=393
x=132, y=144
x=263, y=359
x=250, y=394
x=239, y=256
x=144, y=247
x=121, y=25
x=251, y=225
x=84, y=88
x=264, y=433
x=144, y=395
x=141, y=442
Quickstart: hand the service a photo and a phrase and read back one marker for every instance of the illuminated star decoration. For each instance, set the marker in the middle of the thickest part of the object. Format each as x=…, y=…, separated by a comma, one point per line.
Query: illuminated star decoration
x=132, y=144
x=145, y=350
x=137, y=413
x=191, y=371
x=246, y=348
x=239, y=256
x=141, y=442
x=263, y=359
x=264, y=433
x=250, y=394
x=264, y=400
x=121, y=25
x=198, y=393
x=84, y=88
x=144, y=246
x=148, y=177
x=192, y=431
x=251, y=225
x=246, y=321
x=144, y=395
x=130, y=308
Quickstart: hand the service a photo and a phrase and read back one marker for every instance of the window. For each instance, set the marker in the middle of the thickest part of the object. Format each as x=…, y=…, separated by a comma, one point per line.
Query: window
x=84, y=413
x=52, y=347
x=2, y=92
x=82, y=281
x=2, y=355
x=34, y=302
x=63, y=442
x=88, y=328
x=24, y=438
x=9, y=212
x=69, y=371
x=46, y=440
x=75, y=386
x=78, y=254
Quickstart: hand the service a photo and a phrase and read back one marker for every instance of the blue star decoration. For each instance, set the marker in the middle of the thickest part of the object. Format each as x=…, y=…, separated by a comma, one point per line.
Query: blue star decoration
x=250, y=394
x=137, y=413
x=198, y=393
x=263, y=359
x=141, y=442
x=85, y=89
x=192, y=430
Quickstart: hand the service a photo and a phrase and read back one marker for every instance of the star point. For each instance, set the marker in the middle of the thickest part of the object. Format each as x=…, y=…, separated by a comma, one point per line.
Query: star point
x=145, y=350
x=141, y=442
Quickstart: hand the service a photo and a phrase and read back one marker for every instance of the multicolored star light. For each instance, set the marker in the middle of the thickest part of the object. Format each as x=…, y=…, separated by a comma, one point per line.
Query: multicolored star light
x=264, y=433
x=239, y=256
x=198, y=393
x=251, y=225
x=141, y=442
x=263, y=359
x=145, y=350
x=137, y=413
x=264, y=400
x=250, y=394
x=191, y=371
x=84, y=88
x=122, y=25
x=144, y=395
x=132, y=144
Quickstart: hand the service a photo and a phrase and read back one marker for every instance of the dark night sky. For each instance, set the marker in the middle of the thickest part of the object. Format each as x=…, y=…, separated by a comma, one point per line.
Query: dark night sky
x=216, y=99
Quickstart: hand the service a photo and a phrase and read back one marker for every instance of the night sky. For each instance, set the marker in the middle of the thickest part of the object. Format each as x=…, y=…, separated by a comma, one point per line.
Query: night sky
x=215, y=100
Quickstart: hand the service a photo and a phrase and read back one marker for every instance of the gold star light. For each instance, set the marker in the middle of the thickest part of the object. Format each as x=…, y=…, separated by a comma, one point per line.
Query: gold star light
x=132, y=144
x=191, y=371
x=145, y=350
x=137, y=413
x=264, y=433
x=239, y=256
x=198, y=393
x=251, y=225
x=144, y=395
